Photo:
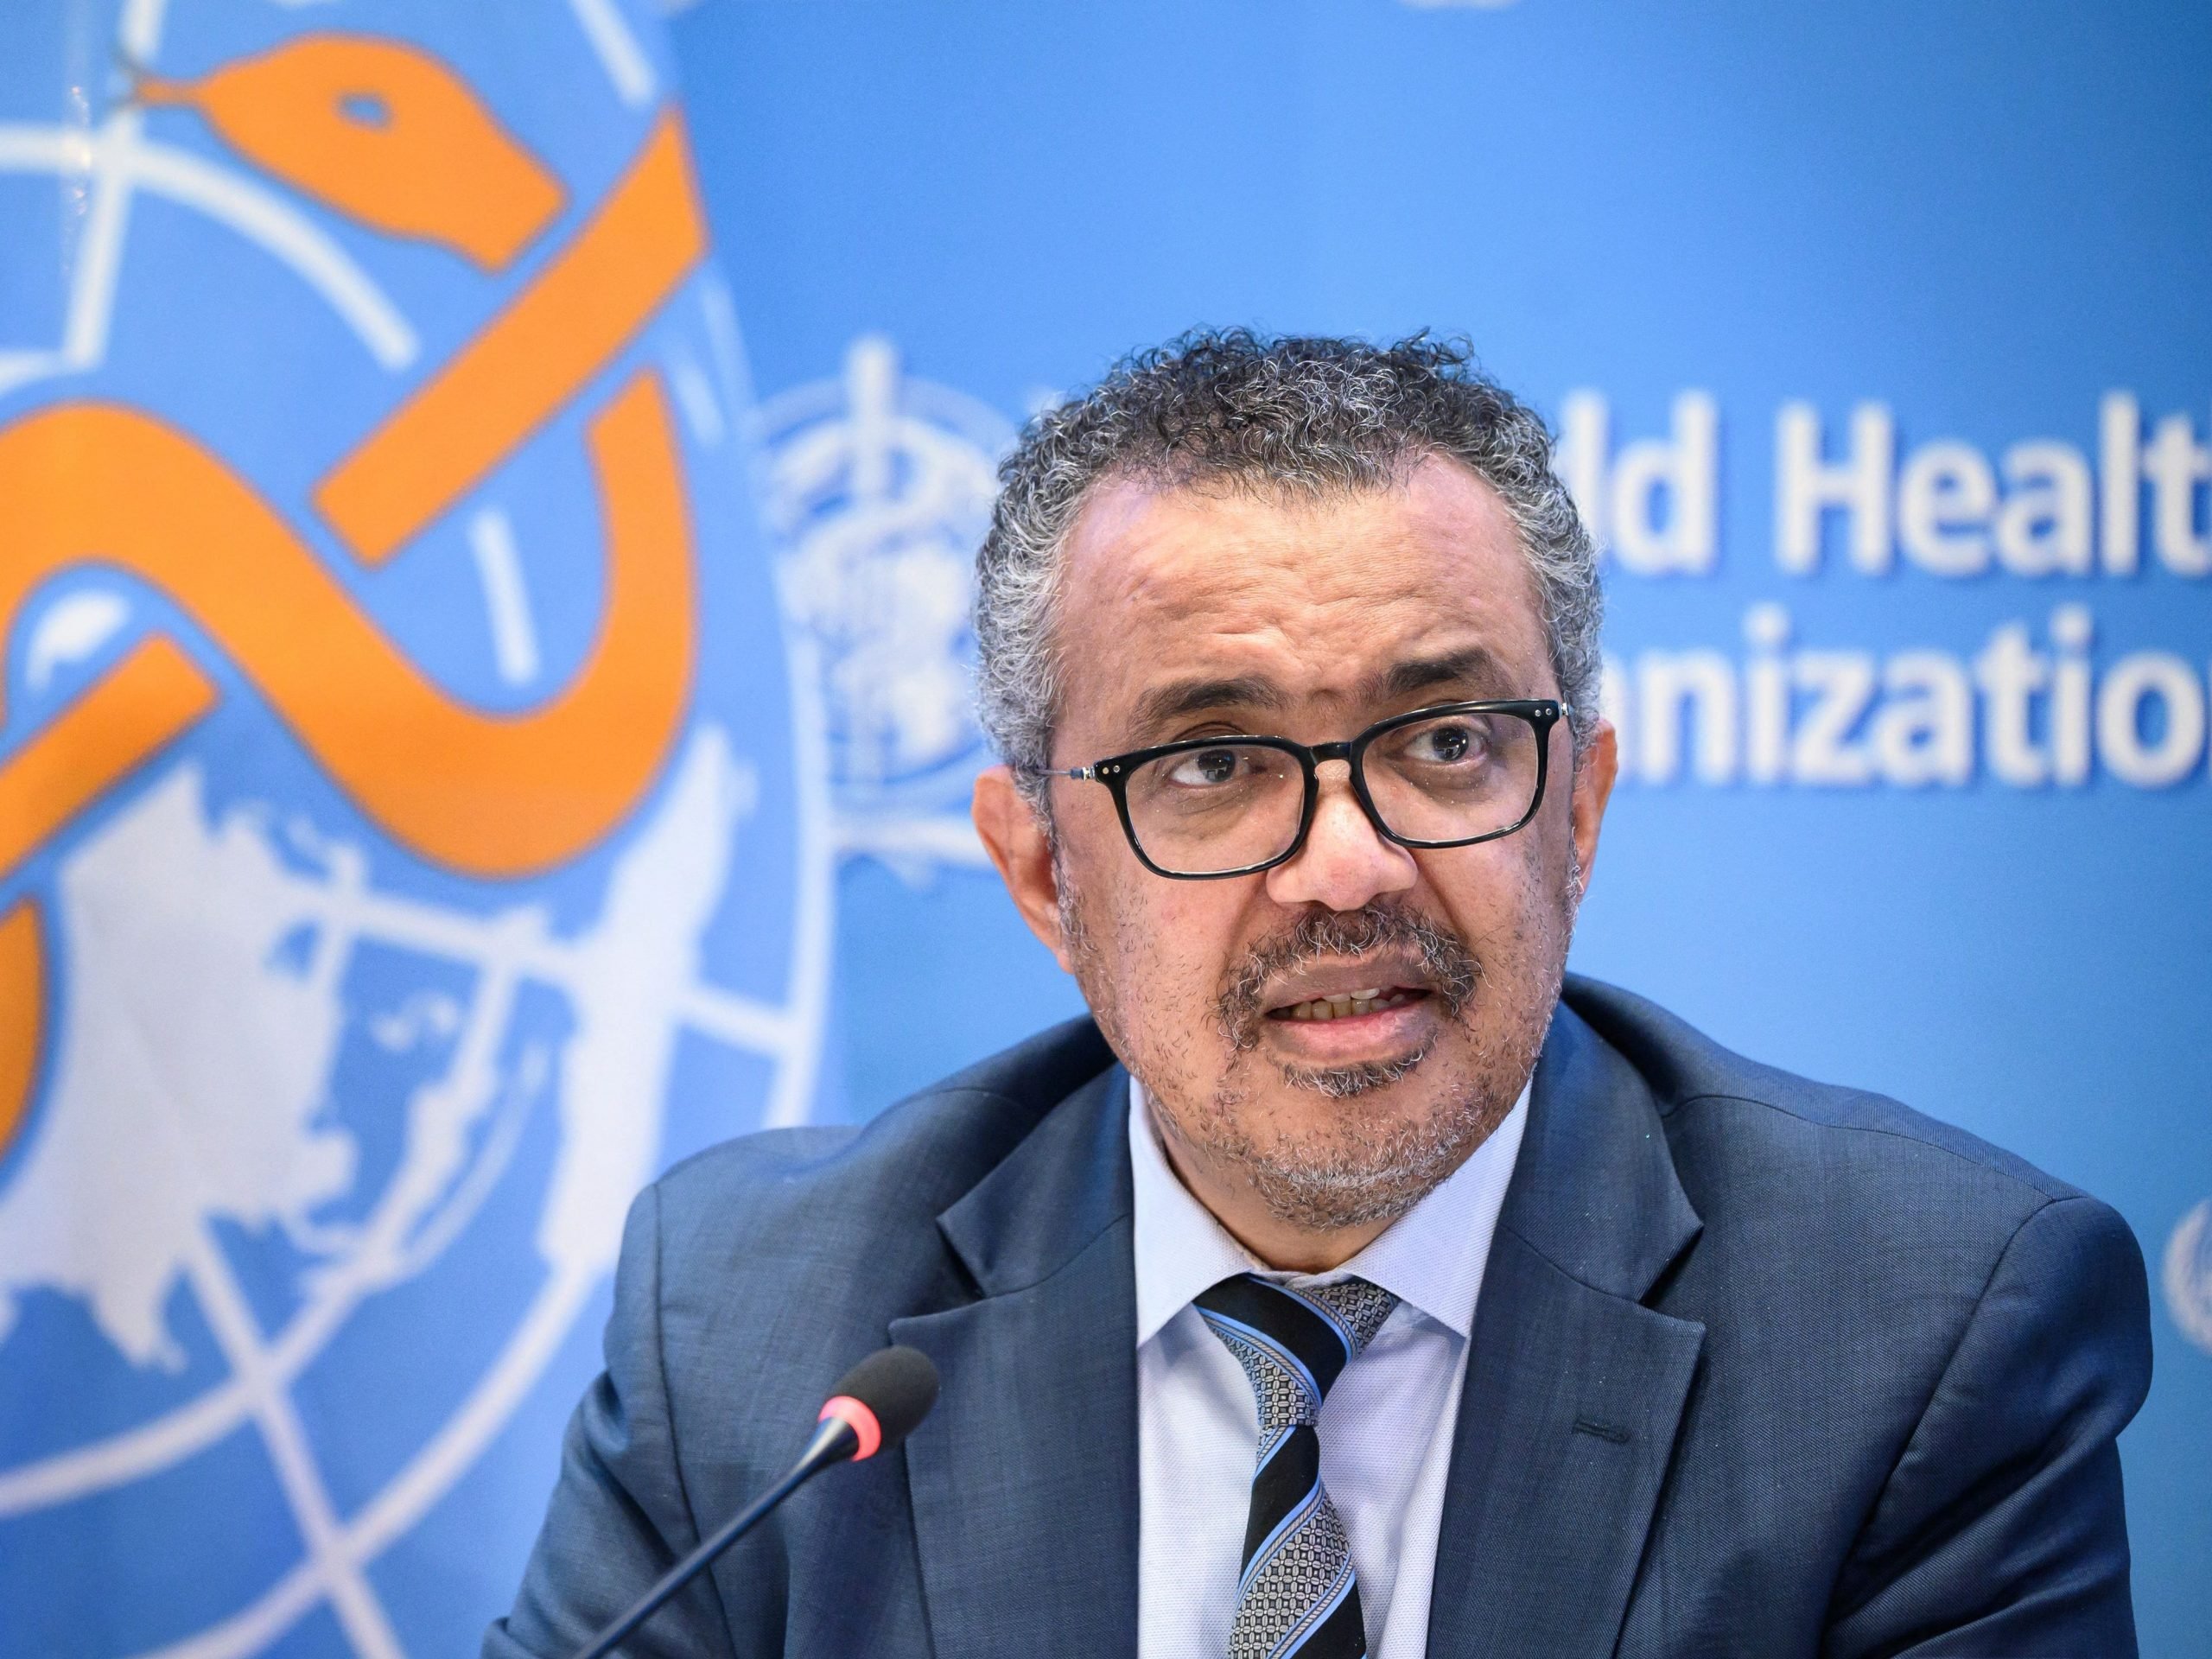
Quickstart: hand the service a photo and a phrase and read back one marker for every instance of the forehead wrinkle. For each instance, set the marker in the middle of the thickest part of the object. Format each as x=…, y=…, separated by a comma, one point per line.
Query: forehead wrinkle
x=1193, y=696
x=1219, y=672
x=1409, y=676
x=1246, y=559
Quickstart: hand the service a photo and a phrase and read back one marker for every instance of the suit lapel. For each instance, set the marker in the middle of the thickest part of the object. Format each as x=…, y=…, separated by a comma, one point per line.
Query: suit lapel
x=1575, y=1388
x=1025, y=1482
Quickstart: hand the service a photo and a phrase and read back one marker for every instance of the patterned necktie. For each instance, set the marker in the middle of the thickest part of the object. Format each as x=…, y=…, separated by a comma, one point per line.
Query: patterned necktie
x=1297, y=1594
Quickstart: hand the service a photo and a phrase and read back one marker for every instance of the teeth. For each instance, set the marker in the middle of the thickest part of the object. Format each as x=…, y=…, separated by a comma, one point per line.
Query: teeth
x=1352, y=1002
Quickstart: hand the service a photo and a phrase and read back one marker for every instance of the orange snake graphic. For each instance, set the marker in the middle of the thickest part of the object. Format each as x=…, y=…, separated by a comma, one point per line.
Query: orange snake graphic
x=385, y=133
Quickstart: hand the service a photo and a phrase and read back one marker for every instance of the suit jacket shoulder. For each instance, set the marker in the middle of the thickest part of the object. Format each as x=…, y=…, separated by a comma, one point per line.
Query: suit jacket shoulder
x=827, y=1201
x=1686, y=1069
x=753, y=1275
x=1917, y=1350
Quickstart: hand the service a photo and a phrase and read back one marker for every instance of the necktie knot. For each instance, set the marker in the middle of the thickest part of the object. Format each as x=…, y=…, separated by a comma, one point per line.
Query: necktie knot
x=1294, y=1343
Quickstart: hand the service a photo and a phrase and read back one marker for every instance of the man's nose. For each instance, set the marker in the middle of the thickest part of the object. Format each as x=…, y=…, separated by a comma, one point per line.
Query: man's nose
x=1345, y=862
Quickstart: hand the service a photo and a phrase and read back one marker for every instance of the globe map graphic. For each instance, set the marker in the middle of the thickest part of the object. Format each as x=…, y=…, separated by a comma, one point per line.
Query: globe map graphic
x=332, y=1140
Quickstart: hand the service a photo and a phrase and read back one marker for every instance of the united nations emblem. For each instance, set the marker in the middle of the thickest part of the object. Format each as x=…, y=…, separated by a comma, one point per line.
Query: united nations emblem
x=878, y=490
x=403, y=851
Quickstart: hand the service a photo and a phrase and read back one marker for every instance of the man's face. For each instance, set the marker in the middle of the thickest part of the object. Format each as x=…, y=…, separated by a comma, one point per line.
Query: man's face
x=1192, y=614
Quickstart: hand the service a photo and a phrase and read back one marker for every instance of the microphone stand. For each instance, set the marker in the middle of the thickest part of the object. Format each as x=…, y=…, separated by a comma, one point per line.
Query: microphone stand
x=833, y=1443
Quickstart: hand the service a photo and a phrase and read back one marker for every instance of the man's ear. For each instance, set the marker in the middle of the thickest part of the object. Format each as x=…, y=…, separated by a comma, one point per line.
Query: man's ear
x=1594, y=771
x=1017, y=844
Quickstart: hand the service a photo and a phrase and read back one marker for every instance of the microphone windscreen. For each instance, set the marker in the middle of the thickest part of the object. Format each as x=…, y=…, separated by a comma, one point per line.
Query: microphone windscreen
x=899, y=1385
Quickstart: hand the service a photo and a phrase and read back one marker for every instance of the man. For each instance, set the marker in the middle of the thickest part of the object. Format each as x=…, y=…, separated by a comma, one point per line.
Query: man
x=1390, y=1302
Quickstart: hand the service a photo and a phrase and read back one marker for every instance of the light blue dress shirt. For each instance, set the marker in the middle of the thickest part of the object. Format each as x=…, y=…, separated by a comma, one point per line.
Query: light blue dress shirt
x=1386, y=1427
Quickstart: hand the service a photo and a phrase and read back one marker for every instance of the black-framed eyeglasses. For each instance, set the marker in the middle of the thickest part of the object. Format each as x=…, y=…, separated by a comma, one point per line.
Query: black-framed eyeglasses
x=1447, y=775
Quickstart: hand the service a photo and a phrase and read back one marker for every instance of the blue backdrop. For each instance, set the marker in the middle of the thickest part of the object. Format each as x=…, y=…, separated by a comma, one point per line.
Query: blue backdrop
x=1876, y=337
x=1975, y=225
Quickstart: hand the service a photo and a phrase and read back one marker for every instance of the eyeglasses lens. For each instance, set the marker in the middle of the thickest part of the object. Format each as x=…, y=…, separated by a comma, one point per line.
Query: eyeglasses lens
x=1455, y=778
x=1225, y=807
x=1232, y=806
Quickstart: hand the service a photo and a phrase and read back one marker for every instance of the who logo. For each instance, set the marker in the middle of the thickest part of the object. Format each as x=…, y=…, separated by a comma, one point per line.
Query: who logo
x=403, y=848
x=877, y=489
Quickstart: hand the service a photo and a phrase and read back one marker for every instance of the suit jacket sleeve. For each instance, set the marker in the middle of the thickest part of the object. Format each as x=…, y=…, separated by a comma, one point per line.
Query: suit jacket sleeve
x=2000, y=1529
x=619, y=1517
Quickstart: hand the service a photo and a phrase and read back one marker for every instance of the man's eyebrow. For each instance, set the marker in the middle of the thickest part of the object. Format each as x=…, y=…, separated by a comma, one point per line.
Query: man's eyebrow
x=1473, y=665
x=1177, y=698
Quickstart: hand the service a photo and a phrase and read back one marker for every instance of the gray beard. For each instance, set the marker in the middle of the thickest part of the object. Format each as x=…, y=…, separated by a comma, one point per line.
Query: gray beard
x=1359, y=1180
x=1372, y=1169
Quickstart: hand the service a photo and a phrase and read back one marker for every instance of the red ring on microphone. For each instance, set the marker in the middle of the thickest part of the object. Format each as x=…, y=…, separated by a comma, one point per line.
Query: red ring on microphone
x=857, y=1417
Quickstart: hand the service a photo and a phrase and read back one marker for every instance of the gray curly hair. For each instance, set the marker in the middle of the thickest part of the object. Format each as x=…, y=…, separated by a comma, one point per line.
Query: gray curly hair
x=1306, y=415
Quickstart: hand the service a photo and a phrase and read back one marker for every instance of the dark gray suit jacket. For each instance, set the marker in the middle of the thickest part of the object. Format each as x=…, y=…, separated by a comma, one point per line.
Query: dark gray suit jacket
x=1761, y=1367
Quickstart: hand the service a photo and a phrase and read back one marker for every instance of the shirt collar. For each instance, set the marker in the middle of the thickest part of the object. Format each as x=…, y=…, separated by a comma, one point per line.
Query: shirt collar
x=1432, y=1257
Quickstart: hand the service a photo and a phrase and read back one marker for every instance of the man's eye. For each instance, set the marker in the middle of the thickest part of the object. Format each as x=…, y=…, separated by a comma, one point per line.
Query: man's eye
x=1206, y=767
x=1447, y=745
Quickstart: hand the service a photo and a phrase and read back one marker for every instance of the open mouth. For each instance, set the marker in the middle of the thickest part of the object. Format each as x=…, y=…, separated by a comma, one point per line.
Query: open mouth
x=1351, y=1005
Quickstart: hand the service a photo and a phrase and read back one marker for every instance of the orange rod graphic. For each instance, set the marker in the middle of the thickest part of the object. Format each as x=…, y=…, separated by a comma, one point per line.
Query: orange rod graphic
x=151, y=696
x=488, y=795
x=23, y=1015
x=529, y=361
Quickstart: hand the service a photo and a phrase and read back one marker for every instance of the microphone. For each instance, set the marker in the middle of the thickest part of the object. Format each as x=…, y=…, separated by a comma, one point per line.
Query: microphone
x=877, y=1404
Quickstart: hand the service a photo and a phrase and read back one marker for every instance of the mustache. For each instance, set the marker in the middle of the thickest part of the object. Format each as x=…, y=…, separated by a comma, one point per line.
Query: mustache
x=1451, y=970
